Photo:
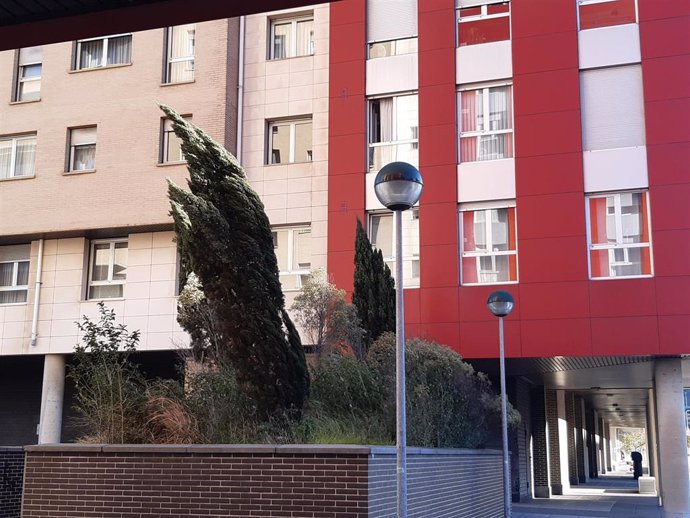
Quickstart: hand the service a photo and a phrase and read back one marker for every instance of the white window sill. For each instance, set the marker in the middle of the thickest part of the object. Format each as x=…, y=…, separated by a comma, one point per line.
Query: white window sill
x=78, y=172
x=501, y=283
x=622, y=277
x=179, y=83
x=273, y=60
x=168, y=164
x=104, y=299
x=3, y=304
x=107, y=67
x=10, y=178
x=31, y=101
x=290, y=163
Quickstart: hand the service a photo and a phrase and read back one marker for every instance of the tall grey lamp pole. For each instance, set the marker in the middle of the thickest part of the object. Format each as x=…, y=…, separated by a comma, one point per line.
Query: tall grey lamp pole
x=398, y=186
x=501, y=303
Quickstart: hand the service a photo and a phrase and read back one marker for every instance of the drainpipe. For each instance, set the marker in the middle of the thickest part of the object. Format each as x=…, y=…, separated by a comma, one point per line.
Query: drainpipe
x=37, y=294
x=240, y=92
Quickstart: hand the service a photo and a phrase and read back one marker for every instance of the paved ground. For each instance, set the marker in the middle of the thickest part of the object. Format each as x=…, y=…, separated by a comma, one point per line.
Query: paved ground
x=608, y=497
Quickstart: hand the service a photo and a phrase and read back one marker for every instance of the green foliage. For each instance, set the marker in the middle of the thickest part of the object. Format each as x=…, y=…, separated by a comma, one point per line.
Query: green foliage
x=325, y=318
x=110, y=390
x=374, y=289
x=224, y=237
x=449, y=404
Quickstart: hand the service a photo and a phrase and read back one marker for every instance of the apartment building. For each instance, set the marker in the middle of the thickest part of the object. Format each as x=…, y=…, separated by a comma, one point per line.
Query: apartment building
x=553, y=138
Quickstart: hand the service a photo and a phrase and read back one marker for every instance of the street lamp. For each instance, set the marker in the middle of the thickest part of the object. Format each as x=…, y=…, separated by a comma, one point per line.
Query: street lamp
x=501, y=303
x=398, y=186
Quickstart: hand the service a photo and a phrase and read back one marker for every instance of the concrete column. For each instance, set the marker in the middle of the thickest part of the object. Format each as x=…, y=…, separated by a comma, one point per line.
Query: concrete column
x=651, y=435
x=540, y=446
x=572, y=438
x=52, y=396
x=673, y=450
x=563, y=453
x=580, y=448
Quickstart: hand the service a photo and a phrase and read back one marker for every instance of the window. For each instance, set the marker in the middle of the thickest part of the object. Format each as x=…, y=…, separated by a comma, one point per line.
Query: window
x=393, y=131
x=17, y=156
x=382, y=236
x=483, y=23
x=605, y=13
x=171, y=145
x=293, y=252
x=292, y=37
x=619, y=244
x=486, y=123
x=489, y=246
x=14, y=273
x=180, y=42
x=103, y=52
x=391, y=19
x=82, y=149
x=289, y=141
x=382, y=49
x=29, y=68
x=612, y=111
x=108, y=270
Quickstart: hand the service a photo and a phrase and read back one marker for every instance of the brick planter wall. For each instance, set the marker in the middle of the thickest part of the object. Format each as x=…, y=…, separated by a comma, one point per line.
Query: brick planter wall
x=11, y=477
x=263, y=481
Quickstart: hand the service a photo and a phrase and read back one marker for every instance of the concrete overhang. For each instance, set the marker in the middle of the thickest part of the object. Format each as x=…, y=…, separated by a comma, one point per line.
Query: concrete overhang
x=25, y=23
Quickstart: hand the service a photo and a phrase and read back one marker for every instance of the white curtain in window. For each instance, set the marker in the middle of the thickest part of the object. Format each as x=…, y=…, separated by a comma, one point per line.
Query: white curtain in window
x=5, y=158
x=90, y=53
x=281, y=40
x=26, y=157
x=305, y=38
x=6, y=274
x=182, y=41
x=119, y=50
x=84, y=158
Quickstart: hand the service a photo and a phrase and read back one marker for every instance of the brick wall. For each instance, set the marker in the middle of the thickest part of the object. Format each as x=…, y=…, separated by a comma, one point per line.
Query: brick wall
x=551, y=404
x=266, y=481
x=11, y=475
x=519, y=395
x=540, y=460
x=572, y=430
x=441, y=483
x=579, y=438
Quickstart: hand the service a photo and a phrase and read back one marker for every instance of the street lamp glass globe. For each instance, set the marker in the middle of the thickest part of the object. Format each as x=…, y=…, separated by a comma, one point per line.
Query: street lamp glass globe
x=500, y=303
x=398, y=185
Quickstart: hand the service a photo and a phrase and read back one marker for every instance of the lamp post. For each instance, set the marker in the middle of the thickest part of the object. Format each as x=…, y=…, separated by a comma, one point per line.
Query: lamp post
x=398, y=186
x=501, y=303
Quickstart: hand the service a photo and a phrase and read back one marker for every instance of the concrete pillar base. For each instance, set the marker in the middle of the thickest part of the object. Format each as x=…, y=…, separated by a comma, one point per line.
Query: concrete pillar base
x=556, y=489
x=542, y=492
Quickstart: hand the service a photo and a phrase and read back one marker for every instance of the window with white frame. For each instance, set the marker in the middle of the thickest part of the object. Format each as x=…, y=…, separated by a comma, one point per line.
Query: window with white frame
x=180, y=42
x=291, y=37
x=382, y=236
x=103, y=52
x=618, y=232
x=382, y=49
x=292, y=247
x=484, y=23
x=171, y=144
x=592, y=14
x=489, y=245
x=108, y=269
x=29, y=69
x=14, y=274
x=82, y=149
x=289, y=141
x=393, y=130
x=486, y=123
x=17, y=156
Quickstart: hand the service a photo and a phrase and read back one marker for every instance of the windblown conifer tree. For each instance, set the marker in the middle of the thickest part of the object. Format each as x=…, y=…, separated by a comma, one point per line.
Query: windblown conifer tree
x=374, y=288
x=224, y=237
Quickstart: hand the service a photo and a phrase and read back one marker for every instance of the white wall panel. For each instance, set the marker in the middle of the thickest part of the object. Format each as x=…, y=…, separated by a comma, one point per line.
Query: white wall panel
x=485, y=62
x=615, y=169
x=486, y=180
x=608, y=46
x=392, y=74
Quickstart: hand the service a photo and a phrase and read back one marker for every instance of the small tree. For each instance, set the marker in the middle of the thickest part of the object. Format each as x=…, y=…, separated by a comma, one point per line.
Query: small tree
x=327, y=320
x=110, y=389
x=374, y=289
x=224, y=237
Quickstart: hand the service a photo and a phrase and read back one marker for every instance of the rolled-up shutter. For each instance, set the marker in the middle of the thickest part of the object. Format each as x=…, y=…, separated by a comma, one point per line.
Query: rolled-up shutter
x=30, y=55
x=391, y=19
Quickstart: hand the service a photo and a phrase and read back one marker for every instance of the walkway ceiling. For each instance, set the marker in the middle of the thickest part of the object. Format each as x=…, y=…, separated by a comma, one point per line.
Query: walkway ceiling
x=24, y=23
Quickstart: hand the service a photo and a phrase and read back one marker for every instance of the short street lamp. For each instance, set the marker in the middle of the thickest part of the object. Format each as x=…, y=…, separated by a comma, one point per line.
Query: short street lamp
x=398, y=186
x=501, y=303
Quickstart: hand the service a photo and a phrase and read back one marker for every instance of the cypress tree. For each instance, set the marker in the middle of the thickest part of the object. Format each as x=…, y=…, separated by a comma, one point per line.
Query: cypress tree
x=224, y=237
x=374, y=288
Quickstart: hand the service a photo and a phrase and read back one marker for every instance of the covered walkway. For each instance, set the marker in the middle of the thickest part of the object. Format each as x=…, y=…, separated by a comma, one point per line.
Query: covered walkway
x=609, y=496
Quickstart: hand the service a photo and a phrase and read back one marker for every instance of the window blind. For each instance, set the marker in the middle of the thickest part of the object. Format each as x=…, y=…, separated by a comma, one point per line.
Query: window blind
x=612, y=108
x=391, y=19
x=30, y=55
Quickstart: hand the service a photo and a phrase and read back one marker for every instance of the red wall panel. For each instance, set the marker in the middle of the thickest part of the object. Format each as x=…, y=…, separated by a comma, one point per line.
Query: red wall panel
x=674, y=334
x=655, y=9
x=564, y=81
x=625, y=335
x=670, y=205
x=480, y=339
x=549, y=174
x=539, y=17
x=556, y=337
x=551, y=215
x=554, y=259
x=623, y=297
x=547, y=133
x=672, y=295
x=664, y=37
x=668, y=163
x=554, y=300
x=439, y=265
x=439, y=305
